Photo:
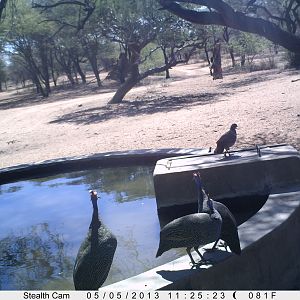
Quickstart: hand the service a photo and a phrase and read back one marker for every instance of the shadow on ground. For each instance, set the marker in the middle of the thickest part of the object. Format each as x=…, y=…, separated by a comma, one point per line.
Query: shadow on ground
x=27, y=97
x=249, y=80
x=135, y=108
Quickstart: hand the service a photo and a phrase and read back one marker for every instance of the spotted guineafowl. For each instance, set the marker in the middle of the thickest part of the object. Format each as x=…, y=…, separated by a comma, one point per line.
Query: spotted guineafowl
x=95, y=255
x=229, y=231
x=226, y=141
x=191, y=231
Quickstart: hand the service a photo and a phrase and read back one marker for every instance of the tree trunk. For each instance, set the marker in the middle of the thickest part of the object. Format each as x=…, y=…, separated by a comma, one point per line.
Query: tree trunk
x=123, y=90
x=232, y=57
x=134, y=76
x=217, y=63
x=52, y=68
x=122, y=67
x=206, y=54
x=70, y=76
x=94, y=65
x=295, y=60
x=243, y=60
x=92, y=58
x=166, y=62
x=44, y=74
x=64, y=59
x=79, y=70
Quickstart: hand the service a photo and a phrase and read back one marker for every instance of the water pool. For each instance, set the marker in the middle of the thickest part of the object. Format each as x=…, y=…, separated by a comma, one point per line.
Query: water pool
x=45, y=220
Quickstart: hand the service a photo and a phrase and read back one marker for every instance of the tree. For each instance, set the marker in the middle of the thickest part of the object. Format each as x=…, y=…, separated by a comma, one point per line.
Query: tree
x=17, y=71
x=2, y=7
x=84, y=11
x=135, y=27
x=3, y=73
x=26, y=34
x=178, y=42
x=257, y=17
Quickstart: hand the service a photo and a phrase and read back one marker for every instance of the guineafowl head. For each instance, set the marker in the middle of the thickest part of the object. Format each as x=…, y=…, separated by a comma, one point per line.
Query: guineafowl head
x=93, y=194
x=233, y=126
x=197, y=179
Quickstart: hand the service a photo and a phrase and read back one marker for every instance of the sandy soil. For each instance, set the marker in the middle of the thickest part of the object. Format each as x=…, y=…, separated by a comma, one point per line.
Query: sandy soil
x=189, y=110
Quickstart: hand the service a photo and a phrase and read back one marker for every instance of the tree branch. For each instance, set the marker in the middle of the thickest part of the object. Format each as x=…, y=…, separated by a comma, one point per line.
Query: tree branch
x=88, y=6
x=234, y=19
x=62, y=2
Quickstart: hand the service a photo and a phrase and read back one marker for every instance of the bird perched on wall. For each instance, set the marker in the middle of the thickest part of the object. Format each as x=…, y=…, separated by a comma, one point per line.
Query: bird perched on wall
x=226, y=141
x=229, y=232
x=95, y=254
x=191, y=231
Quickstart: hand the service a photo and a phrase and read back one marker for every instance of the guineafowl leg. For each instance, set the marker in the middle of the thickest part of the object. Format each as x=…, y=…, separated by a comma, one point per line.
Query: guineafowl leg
x=226, y=153
x=188, y=250
x=224, y=244
x=213, y=247
x=203, y=260
x=197, y=250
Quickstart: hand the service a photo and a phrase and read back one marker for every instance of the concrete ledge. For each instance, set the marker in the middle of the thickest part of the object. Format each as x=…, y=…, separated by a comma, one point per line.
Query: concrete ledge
x=106, y=159
x=242, y=174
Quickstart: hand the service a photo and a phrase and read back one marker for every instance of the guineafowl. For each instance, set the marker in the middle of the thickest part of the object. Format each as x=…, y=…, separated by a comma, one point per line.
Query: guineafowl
x=229, y=231
x=95, y=255
x=226, y=141
x=191, y=231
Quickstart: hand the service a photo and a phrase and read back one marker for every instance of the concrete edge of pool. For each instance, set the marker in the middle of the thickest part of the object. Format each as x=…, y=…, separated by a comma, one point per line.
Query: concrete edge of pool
x=106, y=159
x=268, y=262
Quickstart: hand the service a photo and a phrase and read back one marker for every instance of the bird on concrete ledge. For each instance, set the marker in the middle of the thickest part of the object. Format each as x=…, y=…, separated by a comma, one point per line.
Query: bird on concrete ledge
x=226, y=141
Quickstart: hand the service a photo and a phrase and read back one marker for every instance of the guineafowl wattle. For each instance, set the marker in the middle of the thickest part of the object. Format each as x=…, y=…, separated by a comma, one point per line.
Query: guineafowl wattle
x=226, y=141
x=191, y=231
x=95, y=254
x=229, y=231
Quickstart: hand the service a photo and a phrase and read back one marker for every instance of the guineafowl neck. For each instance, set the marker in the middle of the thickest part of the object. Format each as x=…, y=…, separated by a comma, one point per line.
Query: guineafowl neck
x=210, y=206
x=200, y=200
x=95, y=225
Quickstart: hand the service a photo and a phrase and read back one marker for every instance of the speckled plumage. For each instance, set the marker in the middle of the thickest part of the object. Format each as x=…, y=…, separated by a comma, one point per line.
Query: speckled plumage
x=190, y=231
x=95, y=255
x=229, y=231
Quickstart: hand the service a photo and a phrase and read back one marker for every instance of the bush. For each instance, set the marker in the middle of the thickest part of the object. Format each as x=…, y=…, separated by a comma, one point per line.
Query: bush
x=264, y=64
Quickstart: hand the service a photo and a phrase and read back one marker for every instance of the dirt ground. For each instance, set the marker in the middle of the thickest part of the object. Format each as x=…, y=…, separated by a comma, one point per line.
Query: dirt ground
x=188, y=111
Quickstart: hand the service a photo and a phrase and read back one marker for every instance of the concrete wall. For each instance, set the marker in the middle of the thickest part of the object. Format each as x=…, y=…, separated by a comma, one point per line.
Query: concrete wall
x=244, y=173
x=270, y=263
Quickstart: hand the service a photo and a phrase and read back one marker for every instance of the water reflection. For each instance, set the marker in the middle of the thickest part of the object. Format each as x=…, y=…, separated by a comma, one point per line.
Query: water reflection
x=127, y=183
x=31, y=259
x=61, y=205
